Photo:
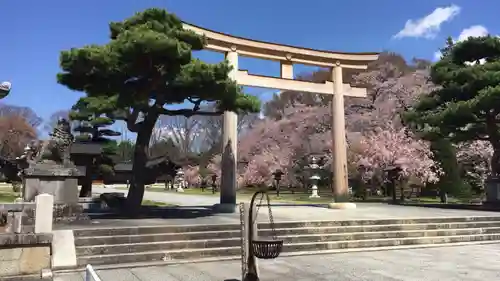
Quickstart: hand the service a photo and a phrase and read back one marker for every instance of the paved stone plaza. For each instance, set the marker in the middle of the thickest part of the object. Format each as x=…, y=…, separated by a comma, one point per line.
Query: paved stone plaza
x=463, y=263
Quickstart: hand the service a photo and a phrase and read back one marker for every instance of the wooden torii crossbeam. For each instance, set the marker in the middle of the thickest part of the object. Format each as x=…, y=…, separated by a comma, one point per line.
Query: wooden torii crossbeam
x=234, y=46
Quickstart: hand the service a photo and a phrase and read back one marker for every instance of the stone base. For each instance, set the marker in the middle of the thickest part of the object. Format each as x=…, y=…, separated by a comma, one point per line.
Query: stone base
x=225, y=208
x=341, y=206
x=53, y=179
x=492, y=188
x=23, y=254
x=65, y=191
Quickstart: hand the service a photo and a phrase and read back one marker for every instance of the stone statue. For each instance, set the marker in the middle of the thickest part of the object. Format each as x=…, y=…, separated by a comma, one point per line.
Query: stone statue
x=56, y=150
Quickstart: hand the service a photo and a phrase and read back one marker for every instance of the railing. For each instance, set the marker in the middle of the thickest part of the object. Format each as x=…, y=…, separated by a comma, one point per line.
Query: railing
x=90, y=274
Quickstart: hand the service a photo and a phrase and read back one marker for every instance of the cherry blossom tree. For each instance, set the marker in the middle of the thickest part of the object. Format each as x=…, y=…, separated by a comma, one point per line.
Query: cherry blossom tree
x=383, y=149
x=192, y=175
x=214, y=167
x=474, y=158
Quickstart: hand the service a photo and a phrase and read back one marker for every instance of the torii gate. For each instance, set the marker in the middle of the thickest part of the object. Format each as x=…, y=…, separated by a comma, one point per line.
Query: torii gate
x=233, y=46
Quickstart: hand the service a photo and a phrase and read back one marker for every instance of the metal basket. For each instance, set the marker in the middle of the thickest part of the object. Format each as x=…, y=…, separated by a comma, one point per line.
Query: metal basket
x=267, y=249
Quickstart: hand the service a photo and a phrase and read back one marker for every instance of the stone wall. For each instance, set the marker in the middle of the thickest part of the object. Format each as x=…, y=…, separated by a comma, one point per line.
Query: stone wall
x=23, y=254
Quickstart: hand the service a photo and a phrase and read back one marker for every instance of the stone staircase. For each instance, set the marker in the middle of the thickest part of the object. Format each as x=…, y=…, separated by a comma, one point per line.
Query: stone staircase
x=104, y=247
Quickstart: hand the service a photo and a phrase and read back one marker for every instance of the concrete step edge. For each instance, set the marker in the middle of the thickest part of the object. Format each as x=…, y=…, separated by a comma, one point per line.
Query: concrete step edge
x=399, y=239
x=385, y=225
x=407, y=221
x=393, y=232
x=154, y=234
x=164, y=251
x=119, y=228
x=159, y=242
x=387, y=248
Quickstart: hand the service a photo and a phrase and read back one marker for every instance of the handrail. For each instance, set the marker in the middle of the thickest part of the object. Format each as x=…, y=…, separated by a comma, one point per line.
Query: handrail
x=90, y=274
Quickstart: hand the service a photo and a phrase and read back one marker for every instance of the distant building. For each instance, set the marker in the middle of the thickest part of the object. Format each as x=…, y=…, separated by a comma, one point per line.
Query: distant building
x=159, y=169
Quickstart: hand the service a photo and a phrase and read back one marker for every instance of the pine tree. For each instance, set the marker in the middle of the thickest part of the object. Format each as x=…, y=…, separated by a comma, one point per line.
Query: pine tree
x=93, y=127
x=466, y=105
x=146, y=66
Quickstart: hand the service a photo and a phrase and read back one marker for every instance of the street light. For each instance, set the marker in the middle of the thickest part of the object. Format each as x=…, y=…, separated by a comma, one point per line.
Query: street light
x=5, y=88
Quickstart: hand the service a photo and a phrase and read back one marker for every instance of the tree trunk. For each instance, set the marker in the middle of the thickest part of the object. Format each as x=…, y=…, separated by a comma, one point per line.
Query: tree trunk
x=86, y=190
x=443, y=196
x=139, y=173
x=402, y=187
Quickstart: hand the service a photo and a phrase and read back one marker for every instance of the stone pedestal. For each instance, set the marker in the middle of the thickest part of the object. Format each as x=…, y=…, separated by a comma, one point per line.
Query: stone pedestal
x=56, y=180
x=314, y=192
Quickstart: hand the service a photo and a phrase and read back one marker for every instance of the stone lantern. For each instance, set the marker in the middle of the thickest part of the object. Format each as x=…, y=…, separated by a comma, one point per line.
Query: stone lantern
x=314, y=166
x=179, y=177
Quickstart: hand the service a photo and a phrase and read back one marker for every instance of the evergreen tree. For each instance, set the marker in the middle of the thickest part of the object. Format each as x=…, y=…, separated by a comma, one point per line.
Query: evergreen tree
x=466, y=105
x=93, y=127
x=146, y=66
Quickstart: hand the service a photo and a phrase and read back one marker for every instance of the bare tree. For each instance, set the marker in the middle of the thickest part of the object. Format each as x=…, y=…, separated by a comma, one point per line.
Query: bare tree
x=54, y=117
x=15, y=134
x=185, y=132
x=26, y=113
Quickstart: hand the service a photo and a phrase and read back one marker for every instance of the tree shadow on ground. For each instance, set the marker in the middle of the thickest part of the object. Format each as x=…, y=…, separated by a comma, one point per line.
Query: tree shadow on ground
x=148, y=212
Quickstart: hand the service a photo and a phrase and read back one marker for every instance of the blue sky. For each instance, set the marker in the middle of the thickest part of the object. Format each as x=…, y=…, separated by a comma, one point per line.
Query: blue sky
x=34, y=32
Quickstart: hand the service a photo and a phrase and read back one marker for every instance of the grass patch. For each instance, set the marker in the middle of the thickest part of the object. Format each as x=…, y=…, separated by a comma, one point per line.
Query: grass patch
x=300, y=197
x=7, y=195
x=246, y=194
x=156, y=203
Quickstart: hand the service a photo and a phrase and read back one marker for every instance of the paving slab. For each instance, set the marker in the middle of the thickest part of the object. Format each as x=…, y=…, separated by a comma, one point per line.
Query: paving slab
x=461, y=263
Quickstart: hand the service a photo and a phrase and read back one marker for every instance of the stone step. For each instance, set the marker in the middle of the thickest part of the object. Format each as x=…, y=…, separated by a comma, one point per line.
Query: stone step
x=316, y=247
x=90, y=232
x=228, y=227
x=293, y=239
x=308, y=238
x=155, y=256
x=375, y=228
x=154, y=246
x=295, y=224
x=156, y=237
x=143, y=238
x=319, y=246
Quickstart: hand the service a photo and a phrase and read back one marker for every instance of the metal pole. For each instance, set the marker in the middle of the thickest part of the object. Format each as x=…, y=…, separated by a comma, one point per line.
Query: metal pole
x=252, y=268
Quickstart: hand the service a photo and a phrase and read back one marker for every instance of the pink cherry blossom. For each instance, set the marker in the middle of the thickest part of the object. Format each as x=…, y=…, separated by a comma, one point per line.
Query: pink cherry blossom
x=192, y=175
x=384, y=149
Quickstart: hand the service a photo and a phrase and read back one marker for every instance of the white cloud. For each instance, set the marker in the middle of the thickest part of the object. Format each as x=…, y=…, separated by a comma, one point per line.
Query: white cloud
x=472, y=31
x=428, y=26
x=437, y=55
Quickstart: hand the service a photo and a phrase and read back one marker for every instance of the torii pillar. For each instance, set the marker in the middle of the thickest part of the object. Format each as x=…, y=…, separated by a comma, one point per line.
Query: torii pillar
x=339, y=149
x=229, y=148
